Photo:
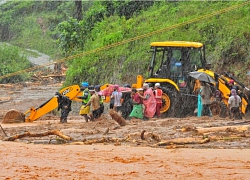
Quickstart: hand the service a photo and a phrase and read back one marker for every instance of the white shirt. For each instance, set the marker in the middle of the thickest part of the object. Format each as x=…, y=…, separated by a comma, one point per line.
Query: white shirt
x=117, y=98
x=232, y=101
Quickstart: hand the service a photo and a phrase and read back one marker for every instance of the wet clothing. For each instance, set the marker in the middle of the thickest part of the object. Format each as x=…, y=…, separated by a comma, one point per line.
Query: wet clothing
x=85, y=98
x=117, y=100
x=111, y=103
x=149, y=103
x=206, y=94
x=137, y=111
x=95, y=104
x=84, y=111
x=234, y=102
x=64, y=103
x=101, y=109
x=218, y=95
x=127, y=105
x=158, y=98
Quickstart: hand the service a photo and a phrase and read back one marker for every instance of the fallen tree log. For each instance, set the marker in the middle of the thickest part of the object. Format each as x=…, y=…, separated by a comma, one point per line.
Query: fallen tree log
x=182, y=141
x=120, y=120
x=224, y=128
x=103, y=140
x=28, y=134
x=229, y=137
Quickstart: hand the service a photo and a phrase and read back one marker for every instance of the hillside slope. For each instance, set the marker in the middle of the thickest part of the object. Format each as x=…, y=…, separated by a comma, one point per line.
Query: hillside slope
x=225, y=34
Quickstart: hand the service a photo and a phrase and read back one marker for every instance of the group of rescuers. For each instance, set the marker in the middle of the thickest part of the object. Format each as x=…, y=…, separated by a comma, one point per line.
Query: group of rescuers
x=144, y=103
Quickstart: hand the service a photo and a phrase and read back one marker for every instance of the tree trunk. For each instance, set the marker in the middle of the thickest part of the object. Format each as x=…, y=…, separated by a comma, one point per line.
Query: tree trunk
x=28, y=134
x=224, y=128
x=182, y=141
x=78, y=4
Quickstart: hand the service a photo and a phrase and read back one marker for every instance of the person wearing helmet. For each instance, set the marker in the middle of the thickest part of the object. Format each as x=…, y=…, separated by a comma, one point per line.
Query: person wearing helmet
x=232, y=85
x=64, y=103
x=84, y=111
x=158, y=98
x=97, y=88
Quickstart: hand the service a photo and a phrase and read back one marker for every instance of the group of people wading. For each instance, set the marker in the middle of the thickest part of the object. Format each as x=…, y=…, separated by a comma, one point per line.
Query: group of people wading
x=147, y=102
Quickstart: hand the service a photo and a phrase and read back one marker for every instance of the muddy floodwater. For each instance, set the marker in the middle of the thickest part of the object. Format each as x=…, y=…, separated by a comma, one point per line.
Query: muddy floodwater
x=170, y=148
x=29, y=161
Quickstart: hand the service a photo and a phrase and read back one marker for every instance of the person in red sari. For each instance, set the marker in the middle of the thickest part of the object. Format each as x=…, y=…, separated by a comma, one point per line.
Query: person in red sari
x=148, y=101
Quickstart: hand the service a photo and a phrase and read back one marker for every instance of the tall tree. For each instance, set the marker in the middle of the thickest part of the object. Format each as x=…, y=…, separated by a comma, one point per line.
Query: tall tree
x=78, y=4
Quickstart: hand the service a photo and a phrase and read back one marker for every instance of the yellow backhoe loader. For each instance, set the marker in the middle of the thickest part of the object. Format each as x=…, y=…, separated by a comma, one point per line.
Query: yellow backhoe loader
x=170, y=65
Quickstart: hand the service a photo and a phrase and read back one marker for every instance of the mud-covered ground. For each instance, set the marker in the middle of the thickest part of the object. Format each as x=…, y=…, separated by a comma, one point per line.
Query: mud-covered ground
x=186, y=148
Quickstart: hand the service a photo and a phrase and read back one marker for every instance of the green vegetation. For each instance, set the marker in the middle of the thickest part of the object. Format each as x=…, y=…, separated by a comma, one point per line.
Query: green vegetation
x=12, y=60
x=50, y=28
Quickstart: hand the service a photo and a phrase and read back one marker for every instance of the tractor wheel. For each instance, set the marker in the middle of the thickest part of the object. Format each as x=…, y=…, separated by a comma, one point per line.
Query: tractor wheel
x=219, y=108
x=168, y=103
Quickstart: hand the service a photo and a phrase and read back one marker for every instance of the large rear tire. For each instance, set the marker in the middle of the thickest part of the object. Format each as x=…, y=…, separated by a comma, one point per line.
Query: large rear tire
x=219, y=108
x=169, y=99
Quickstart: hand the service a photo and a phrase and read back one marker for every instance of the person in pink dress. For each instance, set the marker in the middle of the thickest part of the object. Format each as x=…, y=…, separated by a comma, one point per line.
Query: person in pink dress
x=148, y=101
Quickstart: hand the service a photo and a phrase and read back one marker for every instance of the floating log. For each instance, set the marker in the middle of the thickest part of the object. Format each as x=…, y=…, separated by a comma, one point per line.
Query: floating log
x=182, y=141
x=28, y=134
x=120, y=120
x=224, y=128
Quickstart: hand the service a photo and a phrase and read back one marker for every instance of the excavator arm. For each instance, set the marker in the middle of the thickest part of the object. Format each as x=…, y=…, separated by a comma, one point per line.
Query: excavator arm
x=34, y=113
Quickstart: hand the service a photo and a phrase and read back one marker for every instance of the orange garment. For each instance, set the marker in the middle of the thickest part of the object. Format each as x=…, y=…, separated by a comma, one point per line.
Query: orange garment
x=158, y=96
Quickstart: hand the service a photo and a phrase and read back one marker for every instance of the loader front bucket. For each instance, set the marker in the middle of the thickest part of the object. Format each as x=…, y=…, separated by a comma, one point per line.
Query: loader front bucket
x=13, y=116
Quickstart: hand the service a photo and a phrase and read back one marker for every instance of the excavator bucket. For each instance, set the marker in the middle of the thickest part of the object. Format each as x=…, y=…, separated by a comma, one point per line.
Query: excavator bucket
x=13, y=116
